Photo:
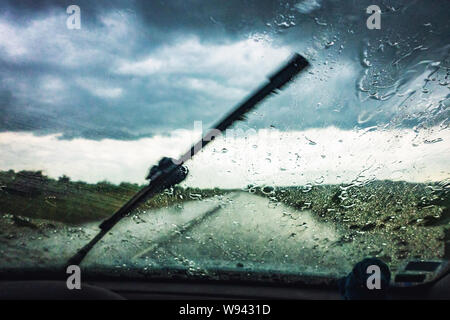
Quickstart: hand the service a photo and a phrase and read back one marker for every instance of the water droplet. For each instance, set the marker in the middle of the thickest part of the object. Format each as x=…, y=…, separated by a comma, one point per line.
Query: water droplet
x=319, y=180
x=432, y=141
x=310, y=141
x=320, y=23
x=329, y=44
x=195, y=196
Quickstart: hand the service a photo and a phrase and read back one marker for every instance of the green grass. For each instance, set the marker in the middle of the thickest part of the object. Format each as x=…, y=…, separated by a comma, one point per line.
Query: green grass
x=371, y=205
x=405, y=220
x=32, y=194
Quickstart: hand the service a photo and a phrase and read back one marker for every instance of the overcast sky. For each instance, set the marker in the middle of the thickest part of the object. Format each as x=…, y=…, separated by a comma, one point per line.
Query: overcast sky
x=142, y=69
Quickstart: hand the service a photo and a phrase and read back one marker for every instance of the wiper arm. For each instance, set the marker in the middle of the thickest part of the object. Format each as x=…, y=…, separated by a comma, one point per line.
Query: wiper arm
x=170, y=175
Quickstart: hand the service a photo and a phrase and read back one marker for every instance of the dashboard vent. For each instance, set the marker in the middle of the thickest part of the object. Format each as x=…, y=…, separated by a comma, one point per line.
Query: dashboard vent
x=416, y=278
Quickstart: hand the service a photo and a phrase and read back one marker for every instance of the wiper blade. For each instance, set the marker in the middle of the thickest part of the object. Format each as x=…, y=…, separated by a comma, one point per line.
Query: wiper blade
x=159, y=181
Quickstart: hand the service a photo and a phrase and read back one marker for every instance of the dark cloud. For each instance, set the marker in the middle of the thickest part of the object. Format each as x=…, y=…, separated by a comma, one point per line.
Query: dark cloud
x=137, y=68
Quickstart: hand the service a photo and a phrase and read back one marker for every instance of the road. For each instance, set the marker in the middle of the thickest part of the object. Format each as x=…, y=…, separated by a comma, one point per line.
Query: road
x=237, y=230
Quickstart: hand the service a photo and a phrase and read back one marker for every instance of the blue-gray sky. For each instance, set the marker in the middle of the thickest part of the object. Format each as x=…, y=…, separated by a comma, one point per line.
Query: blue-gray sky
x=139, y=68
x=107, y=101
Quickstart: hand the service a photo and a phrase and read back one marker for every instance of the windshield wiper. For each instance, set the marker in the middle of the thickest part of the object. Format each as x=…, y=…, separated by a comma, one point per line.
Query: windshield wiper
x=169, y=173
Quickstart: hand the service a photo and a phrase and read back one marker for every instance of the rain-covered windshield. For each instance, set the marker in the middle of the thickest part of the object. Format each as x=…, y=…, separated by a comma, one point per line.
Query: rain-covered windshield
x=350, y=160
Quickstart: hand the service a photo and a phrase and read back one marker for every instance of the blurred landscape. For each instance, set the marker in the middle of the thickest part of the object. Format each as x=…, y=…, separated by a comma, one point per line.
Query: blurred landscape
x=390, y=220
x=34, y=195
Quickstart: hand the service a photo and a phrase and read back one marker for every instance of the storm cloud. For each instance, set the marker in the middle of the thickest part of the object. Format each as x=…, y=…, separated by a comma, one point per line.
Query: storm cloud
x=140, y=68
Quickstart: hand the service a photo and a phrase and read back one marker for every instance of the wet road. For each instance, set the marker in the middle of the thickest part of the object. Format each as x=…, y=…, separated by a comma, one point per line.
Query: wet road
x=237, y=230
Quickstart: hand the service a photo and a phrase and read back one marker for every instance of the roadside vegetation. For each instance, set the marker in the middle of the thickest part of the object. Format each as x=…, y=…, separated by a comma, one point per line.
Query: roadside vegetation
x=371, y=205
x=34, y=195
x=403, y=220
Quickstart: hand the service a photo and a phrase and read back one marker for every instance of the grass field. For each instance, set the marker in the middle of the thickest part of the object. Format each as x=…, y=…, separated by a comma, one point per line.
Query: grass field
x=405, y=220
x=32, y=194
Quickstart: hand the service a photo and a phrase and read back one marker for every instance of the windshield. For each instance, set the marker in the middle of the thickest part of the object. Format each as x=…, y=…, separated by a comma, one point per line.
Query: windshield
x=348, y=161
